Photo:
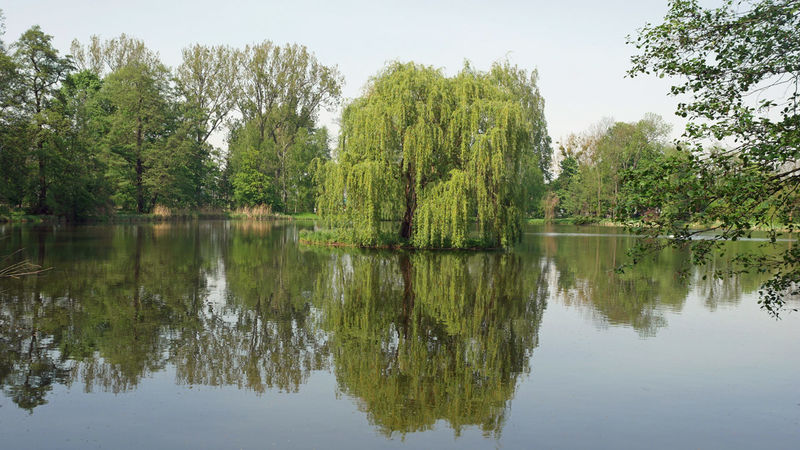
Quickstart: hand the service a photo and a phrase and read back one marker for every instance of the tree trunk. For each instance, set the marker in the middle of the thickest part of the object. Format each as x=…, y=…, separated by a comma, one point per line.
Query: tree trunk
x=411, y=206
x=284, y=196
x=139, y=170
x=41, y=201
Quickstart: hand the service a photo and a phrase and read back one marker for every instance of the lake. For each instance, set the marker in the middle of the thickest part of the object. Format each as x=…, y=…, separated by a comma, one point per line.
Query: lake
x=218, y=334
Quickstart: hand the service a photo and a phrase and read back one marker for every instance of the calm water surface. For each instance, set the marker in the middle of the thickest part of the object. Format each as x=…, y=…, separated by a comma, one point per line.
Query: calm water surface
x=231, y=335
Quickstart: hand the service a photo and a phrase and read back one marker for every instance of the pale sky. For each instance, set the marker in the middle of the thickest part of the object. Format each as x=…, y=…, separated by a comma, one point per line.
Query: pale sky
x=578, y=47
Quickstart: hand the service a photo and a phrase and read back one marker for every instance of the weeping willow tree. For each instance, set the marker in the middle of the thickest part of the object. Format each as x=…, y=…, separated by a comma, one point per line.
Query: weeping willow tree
x=439, y=155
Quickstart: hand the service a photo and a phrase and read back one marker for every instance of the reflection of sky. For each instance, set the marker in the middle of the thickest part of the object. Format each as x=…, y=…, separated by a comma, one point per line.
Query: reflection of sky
x=578, y=47
x=710, y=379
x=714, y=375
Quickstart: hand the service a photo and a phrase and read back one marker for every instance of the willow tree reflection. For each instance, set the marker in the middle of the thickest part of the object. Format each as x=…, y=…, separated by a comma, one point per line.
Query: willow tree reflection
x=423, y=337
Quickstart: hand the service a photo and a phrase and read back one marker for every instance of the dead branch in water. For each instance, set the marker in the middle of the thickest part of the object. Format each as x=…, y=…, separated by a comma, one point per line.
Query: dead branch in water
x=19, y=268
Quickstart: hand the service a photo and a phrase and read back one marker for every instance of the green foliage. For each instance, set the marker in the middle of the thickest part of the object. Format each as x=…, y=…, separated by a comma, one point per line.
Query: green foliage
x=524, y=87
x=206, y=84
x=594, y=165
x=281, y=91
x=251, y=185
x=308, y=152
x=451, y=332
x=40, y=70
x=438, y=154
x=131, y=134
x=85, y=191
x=739, y=67
x=138, y=123
x=13, y=151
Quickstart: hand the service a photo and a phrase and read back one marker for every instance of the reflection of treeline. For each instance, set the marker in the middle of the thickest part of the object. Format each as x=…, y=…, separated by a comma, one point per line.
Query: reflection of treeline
x=723, y=280
x=138, y=298
x=417, y=337
x=111, y=127
x=273, y=341
x=585, y=276
x=426, y=337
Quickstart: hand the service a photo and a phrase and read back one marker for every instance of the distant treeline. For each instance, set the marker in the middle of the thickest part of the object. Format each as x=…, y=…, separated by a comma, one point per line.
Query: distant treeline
x=598, y=170
x=110, y=128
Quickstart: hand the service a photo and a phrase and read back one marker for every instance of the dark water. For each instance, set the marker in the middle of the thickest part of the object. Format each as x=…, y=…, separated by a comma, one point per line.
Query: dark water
x=230, y=335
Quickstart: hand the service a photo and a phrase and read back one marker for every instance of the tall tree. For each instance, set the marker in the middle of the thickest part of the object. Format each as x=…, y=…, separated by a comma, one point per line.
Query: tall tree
x=206, y=81
x=13, y=173
x=76, y=141
x=435, y=153
x=41, y=69
x=739, y=67
x=8, y=73
x=282, y=90
x=206, y=85
x=138, y=126
x=597, y=161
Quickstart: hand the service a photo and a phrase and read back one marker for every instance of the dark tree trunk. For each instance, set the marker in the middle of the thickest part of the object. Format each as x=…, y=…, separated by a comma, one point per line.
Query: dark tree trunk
x=405, y=227
x=139, y=187
x=41, y=203
x=139, y=170
x=411, y=205
x=41, y=200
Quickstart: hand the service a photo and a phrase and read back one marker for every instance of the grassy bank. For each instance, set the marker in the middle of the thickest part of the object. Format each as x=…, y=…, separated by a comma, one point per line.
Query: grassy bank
x=611, y=223
x=160, y=214
x=334, y=238
x=577, y=221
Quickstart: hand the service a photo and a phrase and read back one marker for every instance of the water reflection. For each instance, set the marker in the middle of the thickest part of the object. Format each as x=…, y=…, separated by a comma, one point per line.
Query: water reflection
x=414, y=338
x=421, y=337
x=582, y=266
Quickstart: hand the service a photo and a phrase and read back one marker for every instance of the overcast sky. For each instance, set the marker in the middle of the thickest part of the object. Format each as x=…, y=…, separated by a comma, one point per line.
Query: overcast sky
x=578, y=47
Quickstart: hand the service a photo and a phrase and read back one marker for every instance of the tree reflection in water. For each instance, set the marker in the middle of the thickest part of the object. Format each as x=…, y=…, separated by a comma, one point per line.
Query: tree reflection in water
x=416, y=338
x=423, y=337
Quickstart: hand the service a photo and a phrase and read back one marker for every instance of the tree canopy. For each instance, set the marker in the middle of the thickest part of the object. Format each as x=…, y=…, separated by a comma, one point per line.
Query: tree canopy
x=737, y=71
x=133, y=134
x=591, y=183
x=282, y=90
x=438, y=154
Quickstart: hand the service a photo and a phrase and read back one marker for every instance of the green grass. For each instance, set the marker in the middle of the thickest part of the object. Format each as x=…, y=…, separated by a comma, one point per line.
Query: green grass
x=21, y=217
x=565, y=220
x=16, y=216
x=304, y=216
x=578, y=220
x=336, y=238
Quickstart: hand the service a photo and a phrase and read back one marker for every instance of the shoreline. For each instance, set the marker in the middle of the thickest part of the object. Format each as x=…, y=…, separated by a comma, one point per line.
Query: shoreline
x=149, y=218
x=339, y=244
